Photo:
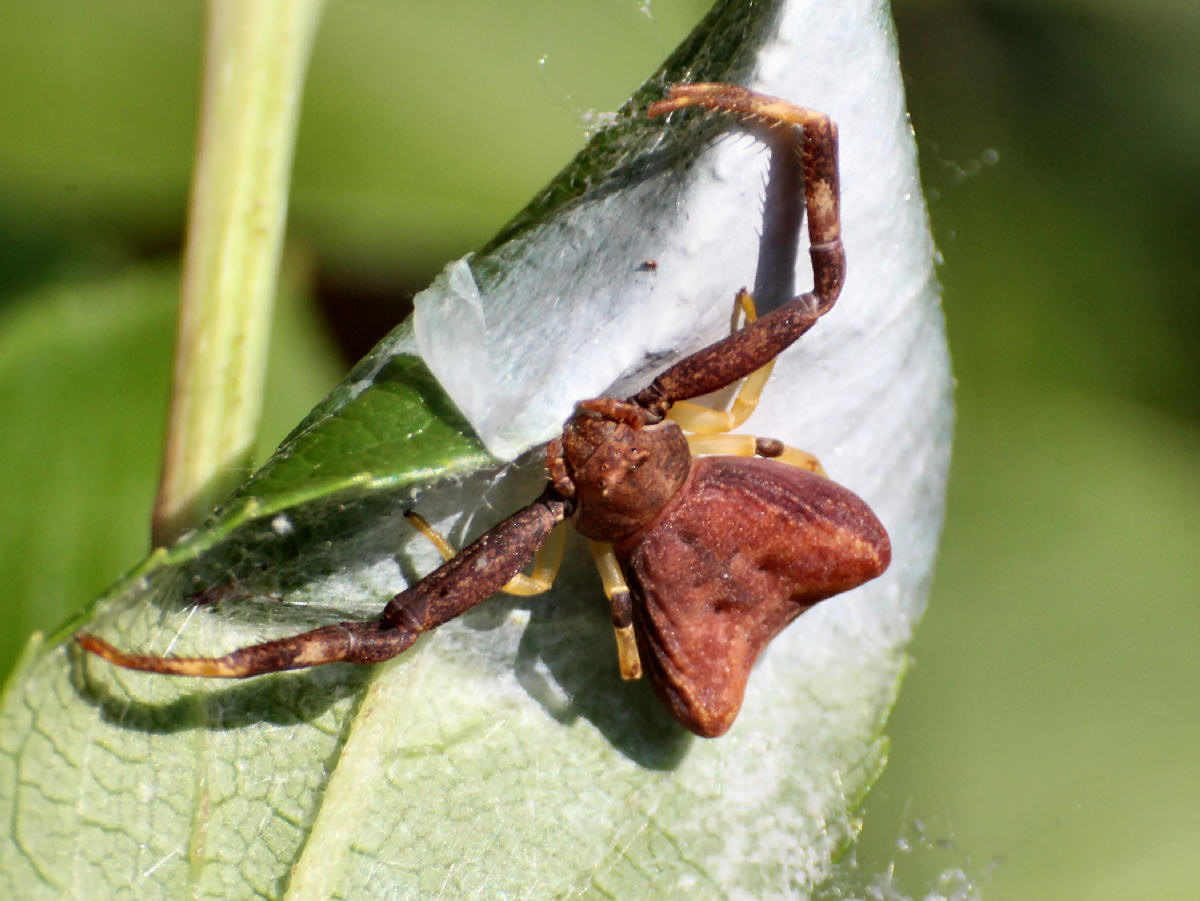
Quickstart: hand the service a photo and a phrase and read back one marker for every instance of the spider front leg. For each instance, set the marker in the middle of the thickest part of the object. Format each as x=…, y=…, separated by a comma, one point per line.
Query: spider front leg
x=546, y=563
x=475, y=574
x=735, y=357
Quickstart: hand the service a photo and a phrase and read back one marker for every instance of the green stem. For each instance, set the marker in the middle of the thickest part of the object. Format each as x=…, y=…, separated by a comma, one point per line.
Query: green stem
x=254, y=72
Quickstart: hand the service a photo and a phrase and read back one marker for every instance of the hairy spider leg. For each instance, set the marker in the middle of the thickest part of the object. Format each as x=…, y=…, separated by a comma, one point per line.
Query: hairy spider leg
x=735, y=357
x=546, y=561
x=473, y=575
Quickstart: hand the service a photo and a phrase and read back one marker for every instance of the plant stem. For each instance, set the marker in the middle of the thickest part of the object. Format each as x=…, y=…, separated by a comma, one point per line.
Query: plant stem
x=256, y=57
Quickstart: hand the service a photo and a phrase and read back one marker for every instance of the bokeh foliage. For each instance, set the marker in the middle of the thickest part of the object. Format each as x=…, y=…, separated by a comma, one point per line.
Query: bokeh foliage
x=1044, y=742
x=1048, y=727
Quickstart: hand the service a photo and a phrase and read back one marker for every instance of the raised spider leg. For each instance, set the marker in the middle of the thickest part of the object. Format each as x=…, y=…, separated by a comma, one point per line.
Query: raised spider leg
x=735, y=357
x=546, y=561
x=475, y=574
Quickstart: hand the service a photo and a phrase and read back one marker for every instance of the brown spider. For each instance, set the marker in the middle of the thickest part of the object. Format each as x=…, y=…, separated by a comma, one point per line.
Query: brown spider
x=704, y=559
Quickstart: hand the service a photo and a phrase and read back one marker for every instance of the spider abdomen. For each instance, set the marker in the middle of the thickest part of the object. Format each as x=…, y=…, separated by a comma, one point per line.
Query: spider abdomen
x=746, y=546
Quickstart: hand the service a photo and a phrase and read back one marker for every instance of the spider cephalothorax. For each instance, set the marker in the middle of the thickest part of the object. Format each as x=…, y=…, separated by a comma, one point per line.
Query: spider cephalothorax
x=620, y=467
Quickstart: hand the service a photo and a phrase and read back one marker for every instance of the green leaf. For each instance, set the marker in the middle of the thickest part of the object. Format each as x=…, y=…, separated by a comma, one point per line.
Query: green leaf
x=503, y=755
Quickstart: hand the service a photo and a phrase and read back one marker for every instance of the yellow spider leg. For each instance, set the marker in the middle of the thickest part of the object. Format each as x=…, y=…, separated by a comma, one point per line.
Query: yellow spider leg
x=698, y=418
x=617, y=590
x=546, y=561
x=421, y=524
x=801, y=459
x=704, y=443
x=750, y=446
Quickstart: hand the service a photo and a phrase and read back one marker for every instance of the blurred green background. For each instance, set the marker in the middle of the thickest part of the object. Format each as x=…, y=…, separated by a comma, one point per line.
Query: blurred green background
x=1047, y=740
